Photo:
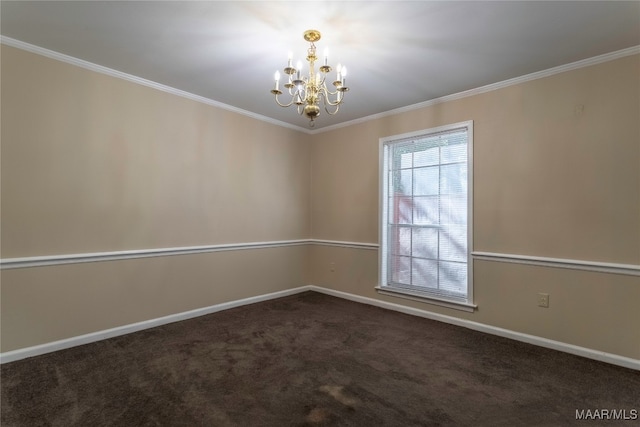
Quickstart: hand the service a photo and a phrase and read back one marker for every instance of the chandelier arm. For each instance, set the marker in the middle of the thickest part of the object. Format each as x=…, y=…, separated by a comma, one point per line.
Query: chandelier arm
x=322, y=95
x=333, y=104
x=326, y=96
x=338, y=101
x=332, y=93
x=284, y=105
x=297, y=90
x=334, y=112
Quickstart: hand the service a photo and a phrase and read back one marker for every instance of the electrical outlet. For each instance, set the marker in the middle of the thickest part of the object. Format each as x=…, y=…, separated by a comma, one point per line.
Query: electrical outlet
x=543, y=300
x=332, y=266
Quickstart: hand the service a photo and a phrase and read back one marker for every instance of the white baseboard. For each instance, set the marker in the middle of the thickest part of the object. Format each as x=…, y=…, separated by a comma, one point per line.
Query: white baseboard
x=602, y=356
x=37, y=350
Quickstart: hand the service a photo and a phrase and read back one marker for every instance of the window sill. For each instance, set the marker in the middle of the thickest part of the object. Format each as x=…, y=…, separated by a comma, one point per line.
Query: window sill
x=428, y=299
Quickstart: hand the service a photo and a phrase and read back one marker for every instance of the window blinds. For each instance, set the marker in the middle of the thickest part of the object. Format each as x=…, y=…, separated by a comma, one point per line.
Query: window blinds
x=425, y=213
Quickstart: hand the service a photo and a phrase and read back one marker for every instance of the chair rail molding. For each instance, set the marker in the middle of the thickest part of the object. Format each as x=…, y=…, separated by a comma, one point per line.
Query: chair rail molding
x=572, y=264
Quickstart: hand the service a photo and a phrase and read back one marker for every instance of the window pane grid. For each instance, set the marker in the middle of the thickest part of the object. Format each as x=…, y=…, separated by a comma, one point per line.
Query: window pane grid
x=426, y=213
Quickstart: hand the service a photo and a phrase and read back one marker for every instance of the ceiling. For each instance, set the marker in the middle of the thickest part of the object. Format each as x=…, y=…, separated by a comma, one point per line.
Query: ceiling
x=398, y=53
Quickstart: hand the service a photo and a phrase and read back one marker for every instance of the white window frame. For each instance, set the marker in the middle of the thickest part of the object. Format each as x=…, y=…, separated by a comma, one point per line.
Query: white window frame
x=383, y=286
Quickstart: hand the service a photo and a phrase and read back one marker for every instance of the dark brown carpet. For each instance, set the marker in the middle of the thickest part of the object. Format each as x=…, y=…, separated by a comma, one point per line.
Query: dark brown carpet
x=311, y=359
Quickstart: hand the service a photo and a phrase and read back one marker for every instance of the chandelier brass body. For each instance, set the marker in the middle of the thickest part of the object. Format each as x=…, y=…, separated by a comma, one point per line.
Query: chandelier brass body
x=308, y=92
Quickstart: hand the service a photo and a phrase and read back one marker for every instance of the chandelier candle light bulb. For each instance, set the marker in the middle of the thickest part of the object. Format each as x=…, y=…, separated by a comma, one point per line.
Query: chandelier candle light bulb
x=308, y=92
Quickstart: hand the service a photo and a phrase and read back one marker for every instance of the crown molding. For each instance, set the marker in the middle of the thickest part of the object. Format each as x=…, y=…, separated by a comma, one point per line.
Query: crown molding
x=634, y=50
x=139, y=80
x=168, y=89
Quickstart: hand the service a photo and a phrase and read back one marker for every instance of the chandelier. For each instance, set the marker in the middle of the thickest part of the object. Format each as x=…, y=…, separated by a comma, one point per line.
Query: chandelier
x=308, y=92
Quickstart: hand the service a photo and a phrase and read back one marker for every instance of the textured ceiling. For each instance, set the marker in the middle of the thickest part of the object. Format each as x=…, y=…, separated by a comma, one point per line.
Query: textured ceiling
x=398, y=53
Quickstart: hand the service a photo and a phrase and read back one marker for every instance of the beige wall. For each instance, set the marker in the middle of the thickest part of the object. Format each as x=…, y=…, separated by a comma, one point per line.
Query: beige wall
x=45, y=304
x=91, y=163
x=556, y=174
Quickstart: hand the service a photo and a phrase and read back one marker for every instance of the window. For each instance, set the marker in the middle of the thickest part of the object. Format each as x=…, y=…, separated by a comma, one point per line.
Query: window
x=426, y=189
